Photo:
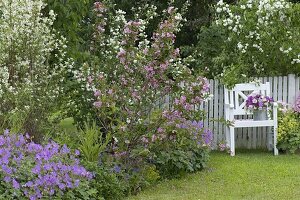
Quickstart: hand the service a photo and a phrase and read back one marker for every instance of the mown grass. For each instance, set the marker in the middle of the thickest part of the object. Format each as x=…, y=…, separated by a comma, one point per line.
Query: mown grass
x=248, y=175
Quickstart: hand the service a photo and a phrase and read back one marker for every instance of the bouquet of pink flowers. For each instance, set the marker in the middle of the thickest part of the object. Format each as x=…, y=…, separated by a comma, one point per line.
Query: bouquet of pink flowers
x=258, y=102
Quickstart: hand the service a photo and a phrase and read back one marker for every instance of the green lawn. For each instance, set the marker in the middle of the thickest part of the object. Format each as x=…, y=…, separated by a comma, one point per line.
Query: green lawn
x=248, y=175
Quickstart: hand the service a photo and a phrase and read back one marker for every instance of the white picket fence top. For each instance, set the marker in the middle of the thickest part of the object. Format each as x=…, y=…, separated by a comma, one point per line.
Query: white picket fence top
x=283, y=88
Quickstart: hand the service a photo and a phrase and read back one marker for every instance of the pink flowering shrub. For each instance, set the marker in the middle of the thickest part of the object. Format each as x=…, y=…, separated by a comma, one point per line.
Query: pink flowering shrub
x=137, y=72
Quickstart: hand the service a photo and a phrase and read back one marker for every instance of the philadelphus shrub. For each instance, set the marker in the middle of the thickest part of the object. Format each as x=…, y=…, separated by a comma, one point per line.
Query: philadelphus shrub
x=32, y=58
x=262, y=35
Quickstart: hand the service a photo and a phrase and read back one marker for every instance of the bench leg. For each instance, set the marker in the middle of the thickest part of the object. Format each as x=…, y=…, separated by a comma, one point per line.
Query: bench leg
x=227, y=136
x=275, y=140
x=232, y=145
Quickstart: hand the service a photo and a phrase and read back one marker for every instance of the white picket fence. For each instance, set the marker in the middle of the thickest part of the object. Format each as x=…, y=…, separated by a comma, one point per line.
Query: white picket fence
x=283, y=88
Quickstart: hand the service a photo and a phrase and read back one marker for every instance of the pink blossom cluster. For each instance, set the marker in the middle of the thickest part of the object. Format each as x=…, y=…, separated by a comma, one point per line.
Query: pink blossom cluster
x=297, y=104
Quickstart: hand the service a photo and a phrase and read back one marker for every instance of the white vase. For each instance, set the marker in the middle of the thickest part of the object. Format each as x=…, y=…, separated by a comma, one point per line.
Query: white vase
x=259, y=115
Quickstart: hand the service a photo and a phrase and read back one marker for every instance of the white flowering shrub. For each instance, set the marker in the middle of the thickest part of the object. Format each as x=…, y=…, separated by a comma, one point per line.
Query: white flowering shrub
x=32, y=64
x=261, y=38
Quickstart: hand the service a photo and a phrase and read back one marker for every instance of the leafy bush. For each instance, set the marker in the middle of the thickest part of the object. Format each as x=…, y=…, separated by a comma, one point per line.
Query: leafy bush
x=184, y=150
x=289, y=132
x=289, y=126
x=30, y=170
x=105, y=182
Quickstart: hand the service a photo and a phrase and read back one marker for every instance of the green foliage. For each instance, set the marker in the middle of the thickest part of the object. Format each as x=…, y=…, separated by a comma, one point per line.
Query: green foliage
x=211, y=39
x=92, y=142
x=72, y=21
x=179, y=162
x=106, y=183
x=85, y=191
x=289, y=131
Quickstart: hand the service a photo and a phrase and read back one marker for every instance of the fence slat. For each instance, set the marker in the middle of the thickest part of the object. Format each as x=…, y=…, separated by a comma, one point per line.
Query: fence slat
x=285, y=89
x=211, y=106
x=216, y=111
x=275, y=86
x=291, y=88
x=221, y=133
x=279, y=90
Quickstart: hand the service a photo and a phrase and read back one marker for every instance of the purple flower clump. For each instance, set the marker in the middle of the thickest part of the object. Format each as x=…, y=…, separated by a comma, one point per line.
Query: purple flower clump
x=39, y=170
x=204, y=136
x=258, y=102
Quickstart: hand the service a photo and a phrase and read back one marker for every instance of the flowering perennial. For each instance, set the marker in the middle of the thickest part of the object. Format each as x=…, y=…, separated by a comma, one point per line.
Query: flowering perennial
x=38, y=171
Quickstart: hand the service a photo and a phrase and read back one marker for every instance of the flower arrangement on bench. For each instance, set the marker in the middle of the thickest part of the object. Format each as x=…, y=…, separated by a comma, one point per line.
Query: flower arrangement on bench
x=258, y=104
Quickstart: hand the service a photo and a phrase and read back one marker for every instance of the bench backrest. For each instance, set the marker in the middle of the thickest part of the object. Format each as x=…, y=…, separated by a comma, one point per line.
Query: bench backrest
x=237, y=96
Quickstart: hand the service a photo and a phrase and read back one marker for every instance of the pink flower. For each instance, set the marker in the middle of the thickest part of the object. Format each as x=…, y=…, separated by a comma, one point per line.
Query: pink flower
x=153, y=138
x=97, y=93
x=149, y=69
x=90, y=79
x=144, y=139
x=110, y=91
x=98, y=6
x=121, y=53
x=188, y=106
x=97, y=104
x=145, y=51
x=182, y=99
x=127, y=30
x=164, y=66
x=170, y=9
x=177, y=51
x=160, y=130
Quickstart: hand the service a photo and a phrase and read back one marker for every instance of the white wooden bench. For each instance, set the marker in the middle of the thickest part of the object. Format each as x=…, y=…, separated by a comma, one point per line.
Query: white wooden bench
x=235, y=101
